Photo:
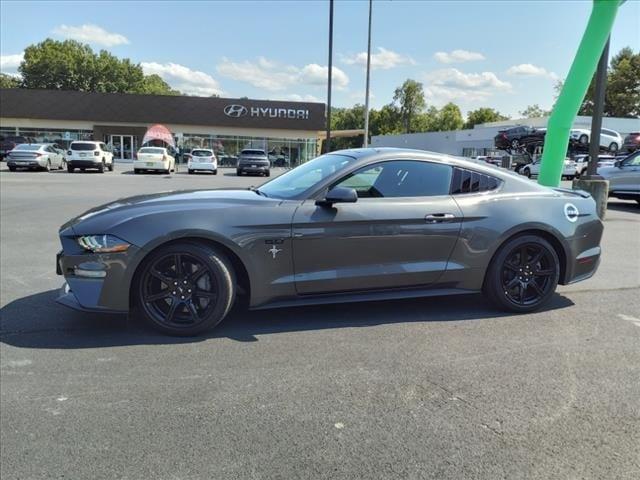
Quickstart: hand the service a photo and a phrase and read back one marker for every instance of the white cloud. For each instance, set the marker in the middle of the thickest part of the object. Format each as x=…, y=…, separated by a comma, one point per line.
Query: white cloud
x=530, y=70
x=10, y=62
x=192, y=82
x=89, y=33
x=383, y=60
x=458, y=56
x=450, y=84
x=272, y=76
x=298, y=98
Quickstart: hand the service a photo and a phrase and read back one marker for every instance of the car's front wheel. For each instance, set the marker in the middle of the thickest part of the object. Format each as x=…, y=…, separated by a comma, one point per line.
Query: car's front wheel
x=613, y=147
x=523, y=275
x=185, y=289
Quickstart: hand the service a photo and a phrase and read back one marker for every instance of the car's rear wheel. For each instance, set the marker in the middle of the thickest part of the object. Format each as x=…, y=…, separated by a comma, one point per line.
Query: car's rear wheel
x=239, y=173
x=12, y=168
x=111, y=166
x=101, y=167
x=523, y=275
x=70, y=169
x=527, y=172
x=268, y=173
x=136, y=171
x=613, y=147
x=215, y=172
x=47, y=167
x=515, y=144
x=185, y=289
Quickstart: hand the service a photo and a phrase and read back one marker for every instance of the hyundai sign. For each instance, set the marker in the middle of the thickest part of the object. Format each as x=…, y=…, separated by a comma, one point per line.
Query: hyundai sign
x=236, y=111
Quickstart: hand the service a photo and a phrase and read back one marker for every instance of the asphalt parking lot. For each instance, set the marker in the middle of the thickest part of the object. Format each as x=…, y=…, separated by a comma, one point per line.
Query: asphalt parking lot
x=441, y=388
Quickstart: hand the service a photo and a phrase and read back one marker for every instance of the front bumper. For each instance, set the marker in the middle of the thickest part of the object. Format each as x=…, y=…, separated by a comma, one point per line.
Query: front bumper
x=97, y=282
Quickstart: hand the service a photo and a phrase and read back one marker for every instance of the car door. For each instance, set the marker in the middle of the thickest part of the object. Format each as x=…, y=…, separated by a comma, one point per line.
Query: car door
x=626, y=177
x=53, y=156
x=399, y=233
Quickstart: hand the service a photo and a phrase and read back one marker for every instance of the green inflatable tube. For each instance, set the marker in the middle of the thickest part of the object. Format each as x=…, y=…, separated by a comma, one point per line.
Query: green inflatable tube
x=574, y=89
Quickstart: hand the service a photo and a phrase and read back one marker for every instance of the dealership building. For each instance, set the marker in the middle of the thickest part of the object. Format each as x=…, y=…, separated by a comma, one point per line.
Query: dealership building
x=284, y=129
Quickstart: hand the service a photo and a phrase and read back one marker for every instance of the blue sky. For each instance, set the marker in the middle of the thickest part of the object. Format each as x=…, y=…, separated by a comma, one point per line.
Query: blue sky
x=500, y=54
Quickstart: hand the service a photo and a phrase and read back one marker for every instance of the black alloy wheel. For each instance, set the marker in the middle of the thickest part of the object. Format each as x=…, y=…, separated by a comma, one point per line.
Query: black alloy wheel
x=515, y=144
x=185, y=289
x=523, y=275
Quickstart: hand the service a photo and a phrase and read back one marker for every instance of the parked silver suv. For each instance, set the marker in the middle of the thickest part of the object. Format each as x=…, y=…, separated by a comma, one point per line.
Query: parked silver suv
x=252, y=160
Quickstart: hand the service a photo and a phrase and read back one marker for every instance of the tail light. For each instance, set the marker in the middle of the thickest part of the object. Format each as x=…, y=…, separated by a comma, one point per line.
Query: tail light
x=96, y=153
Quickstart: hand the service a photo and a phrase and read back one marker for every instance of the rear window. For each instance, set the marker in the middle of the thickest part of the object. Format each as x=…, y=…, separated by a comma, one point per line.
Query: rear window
x=84, y=146
x=252, y=152
x=468, y=181
x=27, y=146
x=152, y=150
x=202, y=153
x=16, y=139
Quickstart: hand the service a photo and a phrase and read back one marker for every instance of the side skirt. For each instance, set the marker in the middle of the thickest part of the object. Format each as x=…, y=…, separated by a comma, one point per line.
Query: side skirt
x=363, y=297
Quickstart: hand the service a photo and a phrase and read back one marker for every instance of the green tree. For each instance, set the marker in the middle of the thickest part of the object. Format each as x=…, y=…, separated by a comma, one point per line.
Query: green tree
x=410, y=98
x=70, y=65
x=9, y=81
x=386, y=121
x=448, y=118
x=483, y=115
x=534, y=111
x=155, y=85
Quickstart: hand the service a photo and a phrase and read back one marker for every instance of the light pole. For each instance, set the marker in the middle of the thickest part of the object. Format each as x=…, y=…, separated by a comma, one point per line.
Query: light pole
x=598, y=109
x=366, y=98
x=330, y=74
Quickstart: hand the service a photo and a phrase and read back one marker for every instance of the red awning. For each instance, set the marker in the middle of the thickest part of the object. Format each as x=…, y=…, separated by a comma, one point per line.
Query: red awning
x=159, y=132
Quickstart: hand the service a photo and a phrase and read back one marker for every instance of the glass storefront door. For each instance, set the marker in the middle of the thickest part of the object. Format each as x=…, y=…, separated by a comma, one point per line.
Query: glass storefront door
x=124, y=146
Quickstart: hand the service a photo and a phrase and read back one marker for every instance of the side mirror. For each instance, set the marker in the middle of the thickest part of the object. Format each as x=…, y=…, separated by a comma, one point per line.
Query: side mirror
x=618, y=163
x=338, y=195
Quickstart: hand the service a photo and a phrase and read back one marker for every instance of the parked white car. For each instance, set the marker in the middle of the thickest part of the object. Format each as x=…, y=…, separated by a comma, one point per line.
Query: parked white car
x=582, y=162
x=609, y=139
x=38, y=156
x=86, y=154
x=533, y=169
x=154, y=158
x=202, y=159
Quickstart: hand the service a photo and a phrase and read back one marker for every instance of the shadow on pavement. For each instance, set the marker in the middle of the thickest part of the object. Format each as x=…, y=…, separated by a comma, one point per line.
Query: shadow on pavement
x=36, y=321
x=631, y=207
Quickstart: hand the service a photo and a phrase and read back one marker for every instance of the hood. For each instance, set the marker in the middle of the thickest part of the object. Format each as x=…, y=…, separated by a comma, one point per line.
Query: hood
x=104, y=218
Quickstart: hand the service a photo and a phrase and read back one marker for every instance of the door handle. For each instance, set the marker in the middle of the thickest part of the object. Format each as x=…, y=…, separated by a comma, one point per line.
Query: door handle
x=439, y=217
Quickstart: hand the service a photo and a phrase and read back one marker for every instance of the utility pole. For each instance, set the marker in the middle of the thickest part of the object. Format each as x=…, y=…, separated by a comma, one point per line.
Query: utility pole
x=598, y=110
x=330, y=74
x=366, y=99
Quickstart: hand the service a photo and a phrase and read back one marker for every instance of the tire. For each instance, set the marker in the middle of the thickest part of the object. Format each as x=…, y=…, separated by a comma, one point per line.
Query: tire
x=239, y=173
x=136, y=171
x=523, y=285
x=47, y=167
x=70, y=169
x=527, y=173
x=515, y=144
x=215, y=172
x=613, y=147
x=111, y=166
x=101, y=167
x=268, y=174
x=63, y=164
x=12, y=169
x=583, y=139
x=190, y=172
x=177, y=302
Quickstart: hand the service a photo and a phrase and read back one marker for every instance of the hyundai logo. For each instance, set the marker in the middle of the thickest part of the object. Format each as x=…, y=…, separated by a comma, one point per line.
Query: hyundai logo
x=235, y=111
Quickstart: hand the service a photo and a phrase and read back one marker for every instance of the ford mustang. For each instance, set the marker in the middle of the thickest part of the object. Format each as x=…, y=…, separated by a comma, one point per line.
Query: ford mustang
x=352, y=225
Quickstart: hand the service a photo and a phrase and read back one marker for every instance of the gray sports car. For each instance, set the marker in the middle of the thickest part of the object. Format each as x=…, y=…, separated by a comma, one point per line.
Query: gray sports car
x=353, y=225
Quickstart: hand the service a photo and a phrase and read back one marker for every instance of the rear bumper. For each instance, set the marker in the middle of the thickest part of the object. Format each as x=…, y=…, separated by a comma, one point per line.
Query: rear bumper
x=140, y=165
x=84, y=163
x=251, y=169
x=202, y=166
x=25, y=164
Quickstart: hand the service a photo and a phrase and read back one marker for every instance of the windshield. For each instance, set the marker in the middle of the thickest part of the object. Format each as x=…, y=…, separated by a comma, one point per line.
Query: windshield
x=83, y=146
x=157, y=151
x=305, y=176
x=202, y=153
x=26, y=146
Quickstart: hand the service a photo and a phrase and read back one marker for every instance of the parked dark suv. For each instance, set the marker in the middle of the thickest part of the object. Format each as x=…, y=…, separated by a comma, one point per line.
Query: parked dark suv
x=252, y=160
x=631, y=142
x=517, y=137
x=9, y=143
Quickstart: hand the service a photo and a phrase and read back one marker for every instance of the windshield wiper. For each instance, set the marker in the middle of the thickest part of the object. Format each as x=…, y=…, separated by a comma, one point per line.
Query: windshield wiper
x=257, y=190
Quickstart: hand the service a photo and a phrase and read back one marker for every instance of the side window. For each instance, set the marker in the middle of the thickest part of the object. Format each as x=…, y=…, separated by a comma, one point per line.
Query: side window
x=468, y=181
x=103, y=147
x=632, y=161
x=400, y=178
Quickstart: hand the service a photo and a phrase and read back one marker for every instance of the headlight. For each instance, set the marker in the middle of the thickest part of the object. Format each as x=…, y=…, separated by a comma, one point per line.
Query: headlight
x=102, y=243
